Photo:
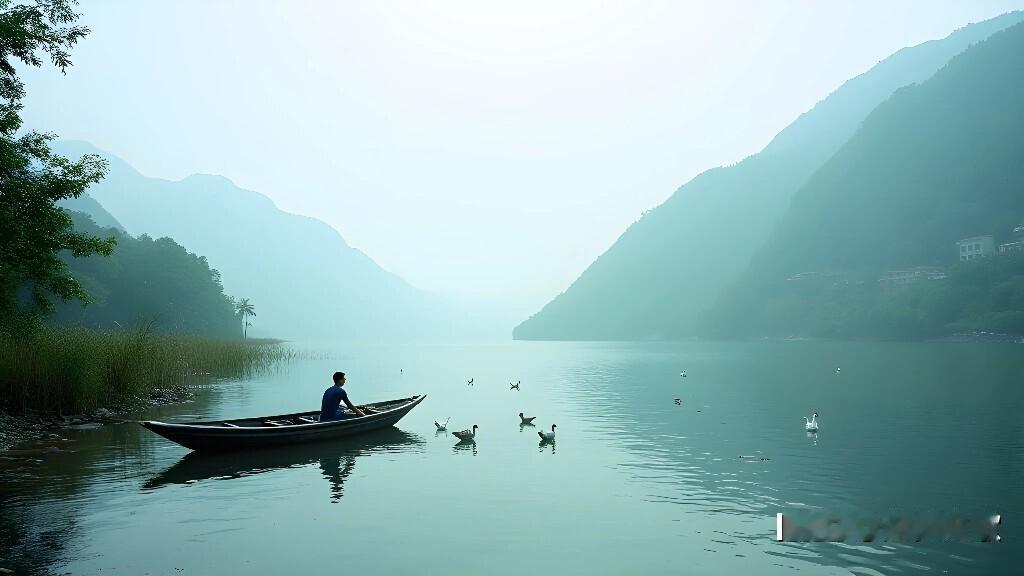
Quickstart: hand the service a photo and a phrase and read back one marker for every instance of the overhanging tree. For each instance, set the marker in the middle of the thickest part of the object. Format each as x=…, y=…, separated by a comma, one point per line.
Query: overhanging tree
x=33, y=229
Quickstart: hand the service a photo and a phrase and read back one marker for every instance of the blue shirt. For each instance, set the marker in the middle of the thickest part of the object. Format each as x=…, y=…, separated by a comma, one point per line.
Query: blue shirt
x=330, y=406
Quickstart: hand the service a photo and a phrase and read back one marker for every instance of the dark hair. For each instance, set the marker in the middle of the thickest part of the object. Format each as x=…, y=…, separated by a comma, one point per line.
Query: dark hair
x=338, y=376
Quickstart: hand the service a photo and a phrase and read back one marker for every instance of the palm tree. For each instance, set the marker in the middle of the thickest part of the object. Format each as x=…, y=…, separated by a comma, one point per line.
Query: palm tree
x=245, y=309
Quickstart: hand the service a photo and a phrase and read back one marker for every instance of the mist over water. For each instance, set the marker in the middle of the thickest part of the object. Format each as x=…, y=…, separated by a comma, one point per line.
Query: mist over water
x=634, y=483
x=700, y=225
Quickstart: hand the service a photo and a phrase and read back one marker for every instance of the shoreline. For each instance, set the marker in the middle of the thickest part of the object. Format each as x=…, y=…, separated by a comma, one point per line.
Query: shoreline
x=959, y=337
x=18, y=430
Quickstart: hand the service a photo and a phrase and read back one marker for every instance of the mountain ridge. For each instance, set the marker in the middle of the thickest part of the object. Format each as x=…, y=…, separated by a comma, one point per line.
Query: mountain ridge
x=935, y=163
x=287, y=264
x=667, y=268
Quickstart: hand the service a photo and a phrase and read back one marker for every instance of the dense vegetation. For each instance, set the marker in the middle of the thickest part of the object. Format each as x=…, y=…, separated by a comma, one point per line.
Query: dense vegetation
x=33, y=229
x=936, y=163
x=984, y=295
x=145, y=280
x=74, y=371
x=671, y=265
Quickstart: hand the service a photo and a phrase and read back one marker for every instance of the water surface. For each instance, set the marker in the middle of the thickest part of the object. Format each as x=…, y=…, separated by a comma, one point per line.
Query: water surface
x=635, y=483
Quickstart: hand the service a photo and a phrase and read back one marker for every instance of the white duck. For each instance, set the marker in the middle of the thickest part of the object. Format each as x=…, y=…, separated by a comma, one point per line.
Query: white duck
x=442, y=427
x=526, y=420
x=683, y=374
x=468, y=434
x=547, y=436
x=812, y=424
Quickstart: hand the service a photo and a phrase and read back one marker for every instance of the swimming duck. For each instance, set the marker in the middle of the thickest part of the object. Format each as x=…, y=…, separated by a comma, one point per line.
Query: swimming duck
x=468, y=434
x=526, y=420
x=548, y=436
x=442, y=427
x=812, y=424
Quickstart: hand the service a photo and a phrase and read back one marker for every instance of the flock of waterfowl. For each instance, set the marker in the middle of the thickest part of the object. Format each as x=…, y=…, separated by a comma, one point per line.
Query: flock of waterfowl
x=469, y=434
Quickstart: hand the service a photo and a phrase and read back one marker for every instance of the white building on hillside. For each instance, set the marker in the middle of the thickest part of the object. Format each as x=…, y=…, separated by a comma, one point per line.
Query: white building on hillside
x=976, y=247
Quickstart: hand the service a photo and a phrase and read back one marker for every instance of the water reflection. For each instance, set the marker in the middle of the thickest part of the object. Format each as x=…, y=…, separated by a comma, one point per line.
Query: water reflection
x=336, y=460
x=336, y=472
x=910, y=423
x=681, y=460
x=546, y=444
x=464, y=446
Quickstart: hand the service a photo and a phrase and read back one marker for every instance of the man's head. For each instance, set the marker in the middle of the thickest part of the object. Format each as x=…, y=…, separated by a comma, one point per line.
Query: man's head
x=339, y=378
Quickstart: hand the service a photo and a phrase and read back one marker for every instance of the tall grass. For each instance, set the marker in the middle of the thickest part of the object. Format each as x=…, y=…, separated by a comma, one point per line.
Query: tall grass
x=76, y=370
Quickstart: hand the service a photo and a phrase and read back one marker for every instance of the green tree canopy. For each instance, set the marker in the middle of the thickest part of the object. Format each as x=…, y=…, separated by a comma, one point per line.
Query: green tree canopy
x=147, y=281
x=34, y=231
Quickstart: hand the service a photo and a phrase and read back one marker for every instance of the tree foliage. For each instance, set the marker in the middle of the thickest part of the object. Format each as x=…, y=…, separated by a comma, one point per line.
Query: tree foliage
x=34, y=231
x=147, y=281
x=245, y=309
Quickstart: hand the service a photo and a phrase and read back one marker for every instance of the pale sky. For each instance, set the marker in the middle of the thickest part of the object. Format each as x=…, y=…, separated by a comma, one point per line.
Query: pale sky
x=476, y=148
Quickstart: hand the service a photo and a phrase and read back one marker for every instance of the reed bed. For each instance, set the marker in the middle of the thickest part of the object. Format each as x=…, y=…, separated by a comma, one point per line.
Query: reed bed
x=76, y=370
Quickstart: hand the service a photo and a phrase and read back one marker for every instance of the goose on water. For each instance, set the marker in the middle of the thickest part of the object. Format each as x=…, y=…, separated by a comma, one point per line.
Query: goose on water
x=526, y=420
x=467, y=434
x=549, y=436
x=469, y=382
x=442, y=427
x=513, y=386
x=812, y=424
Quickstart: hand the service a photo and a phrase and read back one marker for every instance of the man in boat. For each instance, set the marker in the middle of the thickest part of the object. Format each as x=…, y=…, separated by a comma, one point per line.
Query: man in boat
x=330, y=406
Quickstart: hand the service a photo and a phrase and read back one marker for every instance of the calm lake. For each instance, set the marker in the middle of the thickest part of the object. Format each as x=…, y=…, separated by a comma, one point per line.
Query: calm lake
x=635, y=484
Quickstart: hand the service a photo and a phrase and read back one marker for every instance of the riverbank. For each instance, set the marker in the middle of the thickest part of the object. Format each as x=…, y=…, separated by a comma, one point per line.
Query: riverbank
x=19, y=429
x=52, y=377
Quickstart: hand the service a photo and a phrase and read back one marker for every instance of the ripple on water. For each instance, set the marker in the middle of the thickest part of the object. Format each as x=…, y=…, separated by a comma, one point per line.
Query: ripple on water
x=630, y=457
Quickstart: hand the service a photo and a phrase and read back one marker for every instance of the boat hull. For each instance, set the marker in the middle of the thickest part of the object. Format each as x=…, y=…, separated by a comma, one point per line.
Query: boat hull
x=251, y=433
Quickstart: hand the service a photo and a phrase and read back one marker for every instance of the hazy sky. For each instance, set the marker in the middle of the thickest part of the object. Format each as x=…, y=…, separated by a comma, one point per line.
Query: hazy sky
x=484, y=148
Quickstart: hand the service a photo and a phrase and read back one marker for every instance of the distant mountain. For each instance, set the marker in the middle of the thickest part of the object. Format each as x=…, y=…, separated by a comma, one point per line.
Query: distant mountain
x=304, y=279
x=669, y=267
x=88, y=205
x=936, y=163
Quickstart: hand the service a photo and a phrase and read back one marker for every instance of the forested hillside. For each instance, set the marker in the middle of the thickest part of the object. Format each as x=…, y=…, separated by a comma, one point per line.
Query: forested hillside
x=147, y=281
x=305, y=280
x=668, y=268
x=934, y=164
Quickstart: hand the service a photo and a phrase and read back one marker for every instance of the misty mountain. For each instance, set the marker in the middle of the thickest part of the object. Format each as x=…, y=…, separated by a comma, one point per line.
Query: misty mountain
x=669, y=267
x=936, y=163
x=304, y=279
x=88, y=205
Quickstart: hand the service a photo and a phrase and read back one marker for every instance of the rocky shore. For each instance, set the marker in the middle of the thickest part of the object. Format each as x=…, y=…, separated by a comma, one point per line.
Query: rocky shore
x=19, y=429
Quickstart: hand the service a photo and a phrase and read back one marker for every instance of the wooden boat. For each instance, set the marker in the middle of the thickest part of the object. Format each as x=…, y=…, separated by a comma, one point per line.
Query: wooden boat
x=249, y=433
